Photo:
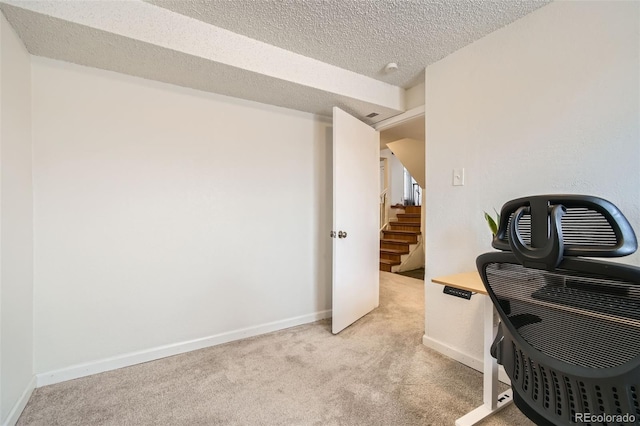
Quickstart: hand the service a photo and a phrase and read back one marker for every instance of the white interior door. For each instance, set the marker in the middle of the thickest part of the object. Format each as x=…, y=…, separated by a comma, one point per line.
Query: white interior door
x=356, y=246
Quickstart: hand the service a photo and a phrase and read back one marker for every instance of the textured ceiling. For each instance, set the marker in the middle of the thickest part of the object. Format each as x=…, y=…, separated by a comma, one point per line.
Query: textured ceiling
x=58, y=39
x=304, y=55
x=362, y=36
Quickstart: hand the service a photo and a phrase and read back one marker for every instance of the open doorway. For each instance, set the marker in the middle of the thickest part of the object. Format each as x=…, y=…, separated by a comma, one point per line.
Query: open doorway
x=402, y=227
x=355, y=246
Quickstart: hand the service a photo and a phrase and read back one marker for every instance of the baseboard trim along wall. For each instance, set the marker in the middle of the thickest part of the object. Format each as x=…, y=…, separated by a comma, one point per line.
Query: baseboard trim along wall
x=17, y=409
x=133, y=358
x=461, y=357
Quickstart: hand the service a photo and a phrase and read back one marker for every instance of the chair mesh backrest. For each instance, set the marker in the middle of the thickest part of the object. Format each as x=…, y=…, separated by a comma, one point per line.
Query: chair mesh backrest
x=581, y=227
x=569, y=337
x=585, y=320
x=591, y=226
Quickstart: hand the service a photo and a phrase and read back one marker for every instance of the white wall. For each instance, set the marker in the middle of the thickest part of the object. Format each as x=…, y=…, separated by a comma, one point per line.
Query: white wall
x=16, y=226
x=396, y=177
x=165, y=215
x=414, y=96
x=548, y=104
x=411, y=154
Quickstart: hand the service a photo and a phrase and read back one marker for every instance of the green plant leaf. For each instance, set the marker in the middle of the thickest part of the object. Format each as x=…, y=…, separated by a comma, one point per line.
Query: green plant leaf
x=492, y=223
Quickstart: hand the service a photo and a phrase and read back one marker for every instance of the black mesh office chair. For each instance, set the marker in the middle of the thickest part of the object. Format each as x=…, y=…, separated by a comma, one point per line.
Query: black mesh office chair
x=569, y=336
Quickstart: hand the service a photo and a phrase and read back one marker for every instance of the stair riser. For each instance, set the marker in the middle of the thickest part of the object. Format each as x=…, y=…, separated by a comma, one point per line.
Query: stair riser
x=386, y=268
x=394, y=246
x=395, y=257
x=399, y=226
x=412, y=209
x=403, y=218
x=411, y=238
x=400, y=249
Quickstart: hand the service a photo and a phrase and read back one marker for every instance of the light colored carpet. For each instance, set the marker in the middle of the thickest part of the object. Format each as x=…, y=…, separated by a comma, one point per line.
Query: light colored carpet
x=375, y=372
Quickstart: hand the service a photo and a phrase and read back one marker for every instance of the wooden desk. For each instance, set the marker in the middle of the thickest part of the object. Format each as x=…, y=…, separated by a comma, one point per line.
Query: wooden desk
x=492, y=401
x=465, y=281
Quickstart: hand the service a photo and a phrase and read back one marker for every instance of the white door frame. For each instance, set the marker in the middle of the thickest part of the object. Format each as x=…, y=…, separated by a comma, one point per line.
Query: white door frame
x=400, y=118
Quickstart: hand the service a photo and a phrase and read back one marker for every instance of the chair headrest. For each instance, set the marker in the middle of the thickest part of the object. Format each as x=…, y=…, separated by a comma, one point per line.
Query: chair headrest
x=541, y=229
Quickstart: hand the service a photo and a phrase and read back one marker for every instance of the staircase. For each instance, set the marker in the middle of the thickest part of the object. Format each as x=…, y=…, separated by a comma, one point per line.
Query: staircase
x=399, y=238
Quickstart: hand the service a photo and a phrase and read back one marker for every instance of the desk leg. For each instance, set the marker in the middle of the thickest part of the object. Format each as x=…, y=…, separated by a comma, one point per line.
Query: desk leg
x=492, y=401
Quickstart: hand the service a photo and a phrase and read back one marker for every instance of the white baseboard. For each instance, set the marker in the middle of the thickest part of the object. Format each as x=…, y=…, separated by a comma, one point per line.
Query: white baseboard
x=138, y=357
x=17, y=409
x=461, y=357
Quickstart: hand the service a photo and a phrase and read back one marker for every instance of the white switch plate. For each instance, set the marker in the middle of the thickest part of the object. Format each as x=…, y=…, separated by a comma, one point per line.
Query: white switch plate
x=458, y=177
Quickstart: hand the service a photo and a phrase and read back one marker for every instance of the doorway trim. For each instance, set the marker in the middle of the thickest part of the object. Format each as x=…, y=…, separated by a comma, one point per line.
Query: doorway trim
x=400, y=118
x=397, y=120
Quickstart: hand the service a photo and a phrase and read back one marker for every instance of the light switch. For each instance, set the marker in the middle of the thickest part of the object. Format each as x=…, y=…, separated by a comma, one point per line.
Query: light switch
x=458, y=177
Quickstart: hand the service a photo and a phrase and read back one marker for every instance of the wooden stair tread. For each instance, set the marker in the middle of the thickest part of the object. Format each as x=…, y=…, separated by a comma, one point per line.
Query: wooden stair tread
x=409, y=214
x=405, y=223
x=394, y=241
x=394, y=251
x=389, y=262
x=395, y=231
x=413, y=209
